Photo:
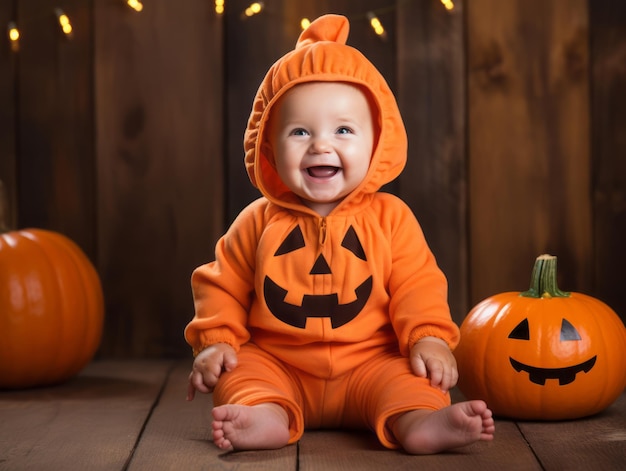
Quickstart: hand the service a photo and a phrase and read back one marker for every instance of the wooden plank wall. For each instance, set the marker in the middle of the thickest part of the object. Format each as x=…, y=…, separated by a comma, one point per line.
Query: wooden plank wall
x=528, y=136
x=608, y=149
x=8, y=112
x=128, y=138
x=431, y=95
x=159, y=121
x=54, y=131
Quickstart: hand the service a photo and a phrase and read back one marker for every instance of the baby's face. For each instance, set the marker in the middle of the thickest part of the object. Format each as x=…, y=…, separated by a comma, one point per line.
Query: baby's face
x=322, y=137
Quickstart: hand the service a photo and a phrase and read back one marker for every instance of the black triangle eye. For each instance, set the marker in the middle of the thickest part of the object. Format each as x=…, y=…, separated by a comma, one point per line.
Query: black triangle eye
x=294, y=241
x=521, y=331
x=353, y=244
x=568, y=331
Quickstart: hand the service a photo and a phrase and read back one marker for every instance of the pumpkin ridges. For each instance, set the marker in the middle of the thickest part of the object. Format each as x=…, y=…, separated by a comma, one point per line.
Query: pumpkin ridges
x=484, y=351
x=76, y=342
x=95, y=303
x=25, y=341
x=50, y=354
x=46, y=284
x=37, y=352
x=613, y=333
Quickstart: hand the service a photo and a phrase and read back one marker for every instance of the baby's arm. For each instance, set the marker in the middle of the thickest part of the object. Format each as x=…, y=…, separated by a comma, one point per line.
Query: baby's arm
x=208, y=367
x=431, y=357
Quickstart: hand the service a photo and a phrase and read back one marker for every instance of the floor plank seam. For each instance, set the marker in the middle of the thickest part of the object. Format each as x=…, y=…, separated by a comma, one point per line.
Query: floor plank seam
x=530, y=447
x=155, y=404
x=297, y=456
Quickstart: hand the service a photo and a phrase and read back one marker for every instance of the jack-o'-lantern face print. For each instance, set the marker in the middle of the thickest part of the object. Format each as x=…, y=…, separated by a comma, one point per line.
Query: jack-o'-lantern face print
x=537, y=374
x=316, y=305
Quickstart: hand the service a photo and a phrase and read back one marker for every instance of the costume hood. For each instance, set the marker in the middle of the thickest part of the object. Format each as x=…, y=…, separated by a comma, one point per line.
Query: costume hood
x=321, y=54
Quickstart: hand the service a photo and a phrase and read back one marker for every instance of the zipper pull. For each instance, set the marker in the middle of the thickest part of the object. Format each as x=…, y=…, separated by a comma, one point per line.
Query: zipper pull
x=322, y=232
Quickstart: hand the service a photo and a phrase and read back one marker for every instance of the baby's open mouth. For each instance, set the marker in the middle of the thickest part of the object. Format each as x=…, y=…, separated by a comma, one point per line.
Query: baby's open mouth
x=322, y=171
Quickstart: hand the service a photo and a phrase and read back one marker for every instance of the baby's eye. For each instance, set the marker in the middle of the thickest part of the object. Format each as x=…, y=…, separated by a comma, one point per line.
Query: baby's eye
x=344, y=130
x=299, y=132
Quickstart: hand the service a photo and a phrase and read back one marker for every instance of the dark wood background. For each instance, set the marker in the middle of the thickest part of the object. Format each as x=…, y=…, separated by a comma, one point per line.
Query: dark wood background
x=128, y=139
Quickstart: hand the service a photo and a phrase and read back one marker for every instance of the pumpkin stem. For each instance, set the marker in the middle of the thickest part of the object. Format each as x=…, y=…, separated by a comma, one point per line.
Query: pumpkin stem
x=543, y=280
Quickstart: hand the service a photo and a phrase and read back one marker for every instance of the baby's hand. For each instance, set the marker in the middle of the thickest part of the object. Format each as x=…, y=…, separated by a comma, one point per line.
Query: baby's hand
x=208, y=367
x=431, y=358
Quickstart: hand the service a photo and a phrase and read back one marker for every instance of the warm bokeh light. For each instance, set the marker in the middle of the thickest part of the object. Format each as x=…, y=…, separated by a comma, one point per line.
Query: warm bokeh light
x=14, y=36
x=135, y=5
x=64, y=21
x=14, y=33
x=254, y=8
x=377, y=26
x=449, y=4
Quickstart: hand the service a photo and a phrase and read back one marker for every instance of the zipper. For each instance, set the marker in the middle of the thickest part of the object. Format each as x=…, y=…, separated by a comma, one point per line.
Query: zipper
x=322, y=232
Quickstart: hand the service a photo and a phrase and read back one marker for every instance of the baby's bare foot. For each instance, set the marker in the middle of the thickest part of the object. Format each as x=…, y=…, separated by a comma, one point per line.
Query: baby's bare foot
x=260, y=427
x=426, y=432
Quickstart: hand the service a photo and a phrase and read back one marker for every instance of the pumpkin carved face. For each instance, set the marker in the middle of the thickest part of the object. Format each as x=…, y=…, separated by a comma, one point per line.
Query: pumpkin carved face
x=537, y=374
x=542, y=354
x=316, y=305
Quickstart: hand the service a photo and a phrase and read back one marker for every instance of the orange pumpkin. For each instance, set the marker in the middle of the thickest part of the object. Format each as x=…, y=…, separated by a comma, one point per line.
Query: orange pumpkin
x=51, y=308
x=542, y=354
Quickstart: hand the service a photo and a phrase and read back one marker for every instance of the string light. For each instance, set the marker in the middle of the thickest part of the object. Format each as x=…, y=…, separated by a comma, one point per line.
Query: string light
x=135, y=5
x=449, y=4
x=254, y=9
x=14, y=36
x=64, y=21
x=377, y=26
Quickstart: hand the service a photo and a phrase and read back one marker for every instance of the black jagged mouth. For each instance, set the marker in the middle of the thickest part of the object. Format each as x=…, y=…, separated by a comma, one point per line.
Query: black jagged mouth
x=565, y=375
x=324, y=305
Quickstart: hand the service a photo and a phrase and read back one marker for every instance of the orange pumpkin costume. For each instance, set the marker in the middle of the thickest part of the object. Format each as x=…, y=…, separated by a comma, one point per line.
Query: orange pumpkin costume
x=323, y=311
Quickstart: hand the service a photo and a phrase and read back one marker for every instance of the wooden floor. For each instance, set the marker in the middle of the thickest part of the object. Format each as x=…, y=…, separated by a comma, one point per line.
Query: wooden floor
x=133, y=416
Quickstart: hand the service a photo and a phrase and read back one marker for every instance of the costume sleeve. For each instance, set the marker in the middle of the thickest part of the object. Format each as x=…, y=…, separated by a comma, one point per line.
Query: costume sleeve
x=418, y=288
x=222, y=289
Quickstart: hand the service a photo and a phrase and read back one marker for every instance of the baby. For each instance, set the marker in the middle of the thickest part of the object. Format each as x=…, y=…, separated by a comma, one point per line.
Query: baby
x=324, y=306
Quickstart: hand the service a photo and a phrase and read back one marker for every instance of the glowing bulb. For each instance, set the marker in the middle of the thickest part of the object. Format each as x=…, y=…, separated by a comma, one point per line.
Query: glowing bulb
x=305, y=23
x=135, y=5
x=64, y=22
x=449, y=4
x=219, y=6
x=377, y=26
x=253, y=9
x=14, y=36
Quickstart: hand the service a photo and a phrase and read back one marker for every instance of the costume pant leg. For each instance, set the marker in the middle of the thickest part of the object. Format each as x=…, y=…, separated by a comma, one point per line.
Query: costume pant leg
x=260, y=378
x=385, y=386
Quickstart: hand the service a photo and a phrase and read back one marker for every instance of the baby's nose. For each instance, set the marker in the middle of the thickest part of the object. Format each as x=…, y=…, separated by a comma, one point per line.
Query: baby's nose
x=320, y=145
